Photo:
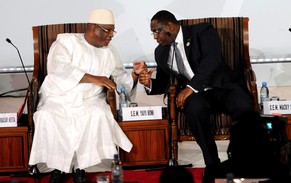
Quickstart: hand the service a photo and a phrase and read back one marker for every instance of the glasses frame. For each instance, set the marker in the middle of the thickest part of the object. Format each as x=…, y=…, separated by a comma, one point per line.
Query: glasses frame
x=158, y=30
x=106, y=30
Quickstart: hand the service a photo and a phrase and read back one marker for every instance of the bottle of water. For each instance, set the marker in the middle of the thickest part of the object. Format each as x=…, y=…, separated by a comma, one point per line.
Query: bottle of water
x=264, y=94
x=116, y=170
x=229, y=178
x=123, y=102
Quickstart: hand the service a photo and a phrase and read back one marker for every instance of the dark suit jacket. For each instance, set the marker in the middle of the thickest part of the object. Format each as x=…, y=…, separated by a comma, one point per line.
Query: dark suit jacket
x=203, y=50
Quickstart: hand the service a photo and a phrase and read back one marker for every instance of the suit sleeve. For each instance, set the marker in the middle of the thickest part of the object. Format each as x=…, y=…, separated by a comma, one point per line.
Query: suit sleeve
x=209, y=63
x=161, y=81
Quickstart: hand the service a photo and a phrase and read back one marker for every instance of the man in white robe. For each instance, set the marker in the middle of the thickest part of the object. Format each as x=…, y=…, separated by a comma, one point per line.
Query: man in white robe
x=74, y=126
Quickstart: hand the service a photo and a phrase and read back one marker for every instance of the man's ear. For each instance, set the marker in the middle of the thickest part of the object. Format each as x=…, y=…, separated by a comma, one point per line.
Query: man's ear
x=91, y=27
x=169, y=27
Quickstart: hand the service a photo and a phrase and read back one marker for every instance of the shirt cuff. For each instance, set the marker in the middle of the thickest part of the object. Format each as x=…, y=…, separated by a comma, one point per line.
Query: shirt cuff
x=195, y=91
x=148, y=89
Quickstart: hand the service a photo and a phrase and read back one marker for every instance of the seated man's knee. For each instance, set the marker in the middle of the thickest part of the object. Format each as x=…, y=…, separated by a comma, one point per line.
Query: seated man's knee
x=196, y=106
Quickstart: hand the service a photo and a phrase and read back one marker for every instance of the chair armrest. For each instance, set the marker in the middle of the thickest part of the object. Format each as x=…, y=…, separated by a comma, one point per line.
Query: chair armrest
x=172, y=103
x=111, y=99
x=32, y=100
x=31, y=108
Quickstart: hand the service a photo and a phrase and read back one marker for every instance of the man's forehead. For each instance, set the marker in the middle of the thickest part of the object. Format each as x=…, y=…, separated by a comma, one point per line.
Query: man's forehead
x=155, y=24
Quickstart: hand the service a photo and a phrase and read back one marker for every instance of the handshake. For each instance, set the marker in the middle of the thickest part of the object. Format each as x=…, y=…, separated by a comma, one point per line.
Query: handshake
x=141, y=71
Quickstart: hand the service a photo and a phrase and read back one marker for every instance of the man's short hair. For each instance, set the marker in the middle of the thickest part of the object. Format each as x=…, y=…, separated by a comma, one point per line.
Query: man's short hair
x=165, y=16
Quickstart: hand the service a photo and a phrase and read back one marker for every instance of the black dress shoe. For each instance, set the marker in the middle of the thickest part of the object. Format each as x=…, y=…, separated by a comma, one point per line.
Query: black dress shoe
x=56, y=176
x=79, y=176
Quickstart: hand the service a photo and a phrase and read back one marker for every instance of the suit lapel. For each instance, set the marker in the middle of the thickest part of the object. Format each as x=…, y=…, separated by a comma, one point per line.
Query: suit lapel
x=187, y=40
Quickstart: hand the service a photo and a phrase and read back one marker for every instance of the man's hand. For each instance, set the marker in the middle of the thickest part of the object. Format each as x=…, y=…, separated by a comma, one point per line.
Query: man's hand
x=98, y=80
x=104, y=81
x=145, y=77
x=139, y=66
x=182, y=96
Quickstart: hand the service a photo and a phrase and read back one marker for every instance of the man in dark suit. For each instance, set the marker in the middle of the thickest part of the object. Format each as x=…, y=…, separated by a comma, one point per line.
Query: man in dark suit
x=207, y=84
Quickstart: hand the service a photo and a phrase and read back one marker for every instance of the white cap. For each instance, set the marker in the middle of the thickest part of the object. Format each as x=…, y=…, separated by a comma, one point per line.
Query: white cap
x=101, y=16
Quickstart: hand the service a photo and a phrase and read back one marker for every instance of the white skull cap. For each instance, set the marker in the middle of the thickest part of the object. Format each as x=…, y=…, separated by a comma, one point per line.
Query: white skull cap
x=101, y=16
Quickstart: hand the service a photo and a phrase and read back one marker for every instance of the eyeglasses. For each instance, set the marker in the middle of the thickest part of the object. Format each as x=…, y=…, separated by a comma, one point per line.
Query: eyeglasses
x=107, y=31
x=157, y=31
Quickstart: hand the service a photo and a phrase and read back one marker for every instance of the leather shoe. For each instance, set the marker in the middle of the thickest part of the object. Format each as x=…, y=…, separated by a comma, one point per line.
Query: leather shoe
x=56, y=176
x=79, y=176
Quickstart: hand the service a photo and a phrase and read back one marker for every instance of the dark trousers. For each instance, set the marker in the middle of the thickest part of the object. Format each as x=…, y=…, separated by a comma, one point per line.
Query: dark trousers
x=199, y=107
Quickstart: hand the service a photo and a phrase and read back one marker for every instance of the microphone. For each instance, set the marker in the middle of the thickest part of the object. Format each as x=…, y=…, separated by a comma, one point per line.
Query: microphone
x=290, y=29
x=30, y=88
x=9, y=41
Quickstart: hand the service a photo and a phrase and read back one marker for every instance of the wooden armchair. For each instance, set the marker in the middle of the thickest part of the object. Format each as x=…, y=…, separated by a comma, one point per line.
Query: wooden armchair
x=43, y=37
x=233, y=32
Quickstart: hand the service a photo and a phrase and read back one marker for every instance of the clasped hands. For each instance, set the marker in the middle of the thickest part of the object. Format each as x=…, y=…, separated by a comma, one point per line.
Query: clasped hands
x=144, y=75
x=145, y=79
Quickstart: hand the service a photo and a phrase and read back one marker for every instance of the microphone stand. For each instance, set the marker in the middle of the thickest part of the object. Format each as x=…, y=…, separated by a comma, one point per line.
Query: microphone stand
x=33, y=170
x=29, y=85
x=172, y=161
x=9, y=41
x=171, y=91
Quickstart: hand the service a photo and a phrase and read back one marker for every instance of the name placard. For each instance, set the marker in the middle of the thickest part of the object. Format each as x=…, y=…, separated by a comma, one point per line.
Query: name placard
x=142, y=113
x=8, y=119
x=282, y=106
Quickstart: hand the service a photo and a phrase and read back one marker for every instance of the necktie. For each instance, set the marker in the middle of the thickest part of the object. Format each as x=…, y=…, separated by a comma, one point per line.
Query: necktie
x=180, y=63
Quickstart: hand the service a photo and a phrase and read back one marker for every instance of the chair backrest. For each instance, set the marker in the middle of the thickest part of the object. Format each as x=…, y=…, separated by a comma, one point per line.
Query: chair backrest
x=43, y=37
x=234, y=36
